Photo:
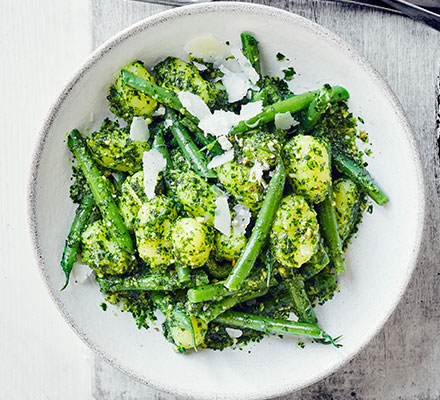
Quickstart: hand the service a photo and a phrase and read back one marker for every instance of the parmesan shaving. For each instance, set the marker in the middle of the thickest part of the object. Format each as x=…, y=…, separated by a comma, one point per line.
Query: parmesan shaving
x=200, y=67
x=221, y=159
x=285, y=121
x=153, y=163
x=158, y=112
x=207, y=47
x=81, y=272
x=219, y=123
x=256, y=173
x=246, y=66
x=241, y=220
x=250, y=110
x=233, y=333
x=224, y=143
x=139, y=130
x=194, y=105
x=235, y=83
x=222, y=219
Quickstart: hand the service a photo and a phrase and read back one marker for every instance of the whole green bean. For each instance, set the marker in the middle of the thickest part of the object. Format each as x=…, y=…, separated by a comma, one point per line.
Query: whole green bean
x=188, y=147
x=360, y=176
x=302, y=307
x=280, y=301
x=264, y=324
x=157, y=281
x=217, y=291
x=329, y=227
x=207, y=141
x=213, y=291
x=250, y=50
x=159, y=143
x=79, y=224
x=319, y=104
x=260, y=231
x=213, y=310
x=161, y=95
x=99, y=187
x=163, y=281
x=292, y=105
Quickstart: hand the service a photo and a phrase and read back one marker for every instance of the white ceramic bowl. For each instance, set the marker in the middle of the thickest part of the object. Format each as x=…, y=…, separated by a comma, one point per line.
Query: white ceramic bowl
x=380, y=260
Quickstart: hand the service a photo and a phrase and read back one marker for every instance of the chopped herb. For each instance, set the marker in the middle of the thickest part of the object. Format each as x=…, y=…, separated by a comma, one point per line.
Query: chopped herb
x=280, y=56
x=289, y=73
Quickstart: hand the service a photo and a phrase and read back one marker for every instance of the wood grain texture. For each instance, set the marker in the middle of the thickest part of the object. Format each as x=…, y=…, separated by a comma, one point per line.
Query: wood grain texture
x=403, y=361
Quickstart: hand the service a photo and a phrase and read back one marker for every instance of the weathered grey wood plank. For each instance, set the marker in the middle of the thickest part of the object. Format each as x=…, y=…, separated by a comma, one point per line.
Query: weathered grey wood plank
x=403, y=361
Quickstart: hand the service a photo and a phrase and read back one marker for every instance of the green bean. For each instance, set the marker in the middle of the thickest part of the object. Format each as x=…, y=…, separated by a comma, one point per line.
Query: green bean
x=360, y=176
x=157, y=281
x=279, y=302
x=183, y=273
x=213, y=310
x=329, y=227
x=319, y=104
x=207, y=141
x=214, y=291
x=250, y=50
x=217, y=291
x=273, y=326
x=261, y=95
x=292, y=105
x=159, y=143
x=163, y=281
x=101, y=193
x=302, y=307
x=79, y=224
x=161, y=95
x=260, y=231
x=188, y=147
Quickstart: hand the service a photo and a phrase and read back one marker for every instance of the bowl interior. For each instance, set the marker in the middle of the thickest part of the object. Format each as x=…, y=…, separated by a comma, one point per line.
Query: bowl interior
x=380, y=259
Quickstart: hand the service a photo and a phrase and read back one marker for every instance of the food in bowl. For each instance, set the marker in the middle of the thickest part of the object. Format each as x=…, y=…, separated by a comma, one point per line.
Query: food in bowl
x=225, y=202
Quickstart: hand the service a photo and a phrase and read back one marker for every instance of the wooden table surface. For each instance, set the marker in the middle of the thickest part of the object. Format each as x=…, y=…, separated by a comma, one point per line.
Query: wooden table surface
x=42, y=43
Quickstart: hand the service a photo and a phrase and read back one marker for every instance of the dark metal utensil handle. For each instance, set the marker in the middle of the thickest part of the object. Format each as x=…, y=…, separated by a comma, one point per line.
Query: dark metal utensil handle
x=418, y=13
x=175, y=3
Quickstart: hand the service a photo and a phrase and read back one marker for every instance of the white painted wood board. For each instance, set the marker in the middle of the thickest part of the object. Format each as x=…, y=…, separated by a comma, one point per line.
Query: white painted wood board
x=41, y=44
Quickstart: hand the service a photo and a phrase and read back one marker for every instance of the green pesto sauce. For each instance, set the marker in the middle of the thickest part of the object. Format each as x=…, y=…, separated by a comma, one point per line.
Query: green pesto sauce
x=174, y=231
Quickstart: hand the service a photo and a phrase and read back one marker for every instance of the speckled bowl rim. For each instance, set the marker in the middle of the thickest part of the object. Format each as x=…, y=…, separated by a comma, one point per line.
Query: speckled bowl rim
x=165, y=17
